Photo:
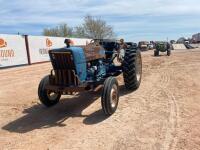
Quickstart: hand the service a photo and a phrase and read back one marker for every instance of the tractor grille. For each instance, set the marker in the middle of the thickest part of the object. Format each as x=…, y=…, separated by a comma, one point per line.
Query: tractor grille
x=61, y=60
x=64, y=68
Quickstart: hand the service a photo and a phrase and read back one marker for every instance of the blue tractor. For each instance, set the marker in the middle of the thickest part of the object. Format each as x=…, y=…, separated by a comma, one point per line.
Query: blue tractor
x=84, y=68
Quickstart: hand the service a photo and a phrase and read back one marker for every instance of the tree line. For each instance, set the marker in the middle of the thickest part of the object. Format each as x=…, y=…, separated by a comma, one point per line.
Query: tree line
x=92, y=27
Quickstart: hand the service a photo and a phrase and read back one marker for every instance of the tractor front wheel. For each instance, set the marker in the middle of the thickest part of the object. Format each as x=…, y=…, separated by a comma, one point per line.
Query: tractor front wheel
x=47, y=97
x=110, y=96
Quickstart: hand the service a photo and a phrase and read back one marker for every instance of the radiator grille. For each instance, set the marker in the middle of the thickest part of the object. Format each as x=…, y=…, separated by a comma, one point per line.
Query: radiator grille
x=64, y=68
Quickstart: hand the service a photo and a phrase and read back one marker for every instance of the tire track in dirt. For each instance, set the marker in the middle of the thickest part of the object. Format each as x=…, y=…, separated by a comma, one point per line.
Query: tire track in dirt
x=159, y=87
x=148, y=93
x=170, y=140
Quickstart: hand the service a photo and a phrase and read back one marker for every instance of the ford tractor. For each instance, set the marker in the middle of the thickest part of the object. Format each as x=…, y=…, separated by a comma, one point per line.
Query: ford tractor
x=84, y=68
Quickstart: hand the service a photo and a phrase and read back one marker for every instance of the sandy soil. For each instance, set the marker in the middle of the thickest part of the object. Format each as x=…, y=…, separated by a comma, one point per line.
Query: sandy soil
x=162, y=114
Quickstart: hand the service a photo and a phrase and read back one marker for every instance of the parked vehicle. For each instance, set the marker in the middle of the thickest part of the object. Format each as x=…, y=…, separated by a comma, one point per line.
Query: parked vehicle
x=162, y=47
x=143, y=45
x=84, y=68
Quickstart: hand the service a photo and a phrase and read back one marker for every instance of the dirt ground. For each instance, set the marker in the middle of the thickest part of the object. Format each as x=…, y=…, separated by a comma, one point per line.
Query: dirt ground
x=164, y=113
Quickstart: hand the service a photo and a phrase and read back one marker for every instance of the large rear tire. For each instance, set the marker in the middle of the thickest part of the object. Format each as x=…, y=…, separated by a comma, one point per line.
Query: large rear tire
x=46, y=97
x=156, y=53
x=168, y=52
x=132, y=69
x=110, y=96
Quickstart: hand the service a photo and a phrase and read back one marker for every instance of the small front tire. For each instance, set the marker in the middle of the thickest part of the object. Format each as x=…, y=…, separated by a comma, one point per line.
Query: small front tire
x=110, y=96
x=47, y=97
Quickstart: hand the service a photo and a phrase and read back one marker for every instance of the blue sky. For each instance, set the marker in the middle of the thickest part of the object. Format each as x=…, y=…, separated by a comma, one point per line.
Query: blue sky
x=133, y=20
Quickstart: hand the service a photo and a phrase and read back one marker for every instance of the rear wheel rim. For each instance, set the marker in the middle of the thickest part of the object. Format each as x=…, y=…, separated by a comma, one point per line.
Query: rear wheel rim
x=114, y=96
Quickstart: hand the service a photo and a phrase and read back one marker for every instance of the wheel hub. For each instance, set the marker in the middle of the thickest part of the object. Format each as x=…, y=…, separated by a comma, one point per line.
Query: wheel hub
x=113, y=96
x=52, y=95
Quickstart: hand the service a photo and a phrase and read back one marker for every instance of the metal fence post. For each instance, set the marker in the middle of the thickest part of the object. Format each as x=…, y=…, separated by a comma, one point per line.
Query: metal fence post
x=27, y=49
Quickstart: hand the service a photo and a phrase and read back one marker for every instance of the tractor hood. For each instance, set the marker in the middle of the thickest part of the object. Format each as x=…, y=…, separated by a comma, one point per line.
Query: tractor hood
x=77, y=60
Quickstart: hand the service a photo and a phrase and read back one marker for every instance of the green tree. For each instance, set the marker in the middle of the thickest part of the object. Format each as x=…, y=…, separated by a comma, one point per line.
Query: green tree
x=62, y=30
x=79, y=32
x=94, y=27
